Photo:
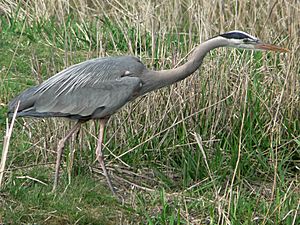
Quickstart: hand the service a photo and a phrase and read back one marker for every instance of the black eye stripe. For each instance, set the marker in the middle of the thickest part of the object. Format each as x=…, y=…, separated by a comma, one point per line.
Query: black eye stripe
x=235, y=35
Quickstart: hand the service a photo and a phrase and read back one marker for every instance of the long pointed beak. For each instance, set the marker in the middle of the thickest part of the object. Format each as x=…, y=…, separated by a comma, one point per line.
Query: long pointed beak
x=269, y=47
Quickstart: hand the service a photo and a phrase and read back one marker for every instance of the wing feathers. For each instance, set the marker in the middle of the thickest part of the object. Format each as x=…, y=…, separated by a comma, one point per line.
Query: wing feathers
x=110, y=95
x=94, y=88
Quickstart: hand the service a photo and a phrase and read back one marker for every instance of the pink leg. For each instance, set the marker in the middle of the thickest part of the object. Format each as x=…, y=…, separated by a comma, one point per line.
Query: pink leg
x=60, y=149
x=99, y=154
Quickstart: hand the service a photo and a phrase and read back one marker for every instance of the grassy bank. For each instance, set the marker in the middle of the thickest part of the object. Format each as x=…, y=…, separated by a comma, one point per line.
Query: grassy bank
x=221, y=147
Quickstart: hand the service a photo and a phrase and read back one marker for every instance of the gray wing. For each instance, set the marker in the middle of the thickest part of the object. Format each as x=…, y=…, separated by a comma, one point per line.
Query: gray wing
x=92, y=89
x=90, y=101
x=91, y=72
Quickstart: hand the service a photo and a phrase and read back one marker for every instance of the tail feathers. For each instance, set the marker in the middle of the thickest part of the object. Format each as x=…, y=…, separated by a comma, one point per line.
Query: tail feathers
x=27, y=108
x=32, y=113
x=26, y=99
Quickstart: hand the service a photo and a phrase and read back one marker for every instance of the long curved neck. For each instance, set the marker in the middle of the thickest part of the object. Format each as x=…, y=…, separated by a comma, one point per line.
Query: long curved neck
x=154, y=80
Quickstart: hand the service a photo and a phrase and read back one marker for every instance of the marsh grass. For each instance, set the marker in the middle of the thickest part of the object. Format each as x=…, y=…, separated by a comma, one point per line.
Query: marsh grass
x=220, y=147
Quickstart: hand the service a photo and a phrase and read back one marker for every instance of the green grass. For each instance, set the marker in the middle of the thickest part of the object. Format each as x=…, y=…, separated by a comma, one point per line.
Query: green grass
x=84, y=202
x=243, y=105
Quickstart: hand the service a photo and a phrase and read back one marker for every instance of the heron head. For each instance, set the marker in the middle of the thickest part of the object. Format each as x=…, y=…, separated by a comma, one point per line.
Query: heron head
x=240, y=39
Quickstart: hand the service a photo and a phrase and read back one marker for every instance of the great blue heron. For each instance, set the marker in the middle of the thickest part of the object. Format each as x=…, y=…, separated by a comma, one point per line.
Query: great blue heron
x=97, y=88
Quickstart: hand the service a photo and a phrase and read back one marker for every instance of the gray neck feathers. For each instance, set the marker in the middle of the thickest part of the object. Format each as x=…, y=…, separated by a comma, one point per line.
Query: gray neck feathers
x=154, y=80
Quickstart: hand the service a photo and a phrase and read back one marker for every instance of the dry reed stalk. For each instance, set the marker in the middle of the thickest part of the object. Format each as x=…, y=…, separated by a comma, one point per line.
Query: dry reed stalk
x=6, y=141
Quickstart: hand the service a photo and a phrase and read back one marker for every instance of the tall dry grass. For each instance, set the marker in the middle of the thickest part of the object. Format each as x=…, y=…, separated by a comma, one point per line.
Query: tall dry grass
x=272, y=21
x=219, y=101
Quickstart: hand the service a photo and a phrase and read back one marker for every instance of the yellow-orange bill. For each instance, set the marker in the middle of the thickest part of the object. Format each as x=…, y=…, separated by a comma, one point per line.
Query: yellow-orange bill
x=271, y=48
